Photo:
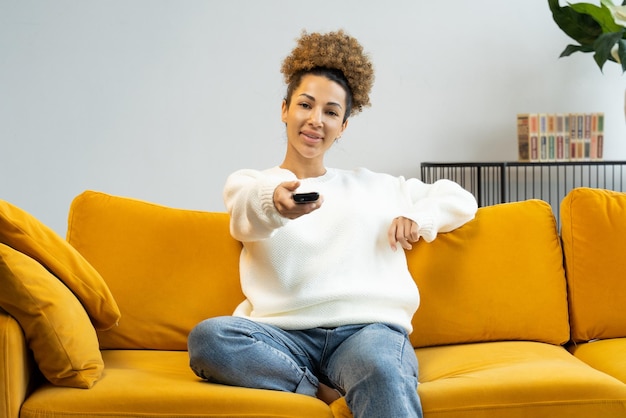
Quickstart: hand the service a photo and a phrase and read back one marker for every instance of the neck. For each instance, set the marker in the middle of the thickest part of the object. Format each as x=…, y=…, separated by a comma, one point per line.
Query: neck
x=303, y=171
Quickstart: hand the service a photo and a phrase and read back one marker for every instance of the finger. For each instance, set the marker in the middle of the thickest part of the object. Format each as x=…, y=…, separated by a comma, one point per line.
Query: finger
x=410, y=230
x=414, y=232
x=405, y=242
x=293, y=210
x=404, y=233
x=391, y=235
x=292, y=186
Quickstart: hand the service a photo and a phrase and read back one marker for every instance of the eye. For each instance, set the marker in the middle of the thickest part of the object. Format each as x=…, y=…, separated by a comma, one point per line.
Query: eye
x=304, y=105
x=332, y=113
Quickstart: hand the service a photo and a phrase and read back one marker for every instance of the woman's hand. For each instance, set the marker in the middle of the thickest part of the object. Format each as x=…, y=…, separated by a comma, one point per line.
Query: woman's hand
x=284, y=203
x=402, y=231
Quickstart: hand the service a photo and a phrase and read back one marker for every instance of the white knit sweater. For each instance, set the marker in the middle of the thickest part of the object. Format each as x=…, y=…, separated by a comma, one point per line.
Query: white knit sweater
x=334, y=266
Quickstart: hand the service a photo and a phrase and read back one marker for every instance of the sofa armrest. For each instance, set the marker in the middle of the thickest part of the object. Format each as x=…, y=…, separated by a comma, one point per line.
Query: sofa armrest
x=16, y=367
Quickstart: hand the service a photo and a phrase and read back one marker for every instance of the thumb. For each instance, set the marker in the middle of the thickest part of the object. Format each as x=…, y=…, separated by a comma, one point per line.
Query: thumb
x=292, y=186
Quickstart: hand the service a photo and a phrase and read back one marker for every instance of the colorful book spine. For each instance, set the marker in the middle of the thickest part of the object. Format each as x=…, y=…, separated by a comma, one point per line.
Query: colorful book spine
x=533, y=136
x=597, y=136
x=543, y=137
x=560, y=137
x=587, y=137
x=551, y=137
x=523, y=142
x=566, y=138
x=580, y=136
x=573, y=129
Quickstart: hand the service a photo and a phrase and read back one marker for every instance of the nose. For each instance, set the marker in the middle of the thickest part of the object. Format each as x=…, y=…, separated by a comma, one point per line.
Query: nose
x=315, y=117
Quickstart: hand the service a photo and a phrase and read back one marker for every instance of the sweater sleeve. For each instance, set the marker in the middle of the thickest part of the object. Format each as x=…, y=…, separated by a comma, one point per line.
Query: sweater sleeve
x=439, y=207
x=249, y=199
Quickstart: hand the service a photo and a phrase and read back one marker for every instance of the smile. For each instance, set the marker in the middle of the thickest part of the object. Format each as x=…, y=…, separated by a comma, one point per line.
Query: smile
x=311, y=137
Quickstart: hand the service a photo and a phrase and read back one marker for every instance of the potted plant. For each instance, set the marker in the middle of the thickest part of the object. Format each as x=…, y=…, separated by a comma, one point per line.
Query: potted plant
x=598, y=29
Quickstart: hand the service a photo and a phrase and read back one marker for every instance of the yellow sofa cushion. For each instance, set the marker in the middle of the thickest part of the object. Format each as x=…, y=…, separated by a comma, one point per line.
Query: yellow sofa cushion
x=167, y=268
x=593, y=229
x=57, y=328
x=498, y=277
x=514, y=379
x=154, y=383
x=22, y=231
x=604, y=355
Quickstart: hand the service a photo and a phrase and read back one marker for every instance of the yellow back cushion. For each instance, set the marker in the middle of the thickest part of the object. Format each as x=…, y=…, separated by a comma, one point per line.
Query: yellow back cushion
x=593, y=228
x=498, y=277
x=55, y=324
x=26, y=234
x=167, y=268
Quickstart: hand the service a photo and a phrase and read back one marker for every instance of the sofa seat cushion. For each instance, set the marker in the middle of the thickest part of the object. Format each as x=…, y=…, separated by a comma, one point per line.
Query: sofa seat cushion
x=605, y=355
x=514, y=379
x=144, y=383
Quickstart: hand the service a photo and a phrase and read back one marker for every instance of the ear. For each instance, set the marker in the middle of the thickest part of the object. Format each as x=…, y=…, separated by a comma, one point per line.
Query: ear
x=344, y=126
x=284, y=111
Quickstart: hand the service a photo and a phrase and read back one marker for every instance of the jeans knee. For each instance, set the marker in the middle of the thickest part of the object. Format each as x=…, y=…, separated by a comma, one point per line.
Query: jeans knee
x=202, y=334
x=205, y=345
x=377, y=353
x=239, y=352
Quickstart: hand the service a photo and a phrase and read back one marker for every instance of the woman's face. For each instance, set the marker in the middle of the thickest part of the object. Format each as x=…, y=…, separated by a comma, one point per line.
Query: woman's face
x=314, y=117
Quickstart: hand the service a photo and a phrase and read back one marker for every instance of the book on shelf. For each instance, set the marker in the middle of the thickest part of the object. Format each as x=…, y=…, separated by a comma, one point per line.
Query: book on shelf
x=587, y=138
x=523, y=140
x=560, y=136
x=561, y=142
x=573, y=120
x=551, y=119
x=543, y=137
x=580, y=135
x=533, y=135
x=597, y=136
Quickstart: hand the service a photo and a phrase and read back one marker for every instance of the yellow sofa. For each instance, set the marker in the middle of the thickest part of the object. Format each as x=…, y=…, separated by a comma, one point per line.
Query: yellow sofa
x=516, y=320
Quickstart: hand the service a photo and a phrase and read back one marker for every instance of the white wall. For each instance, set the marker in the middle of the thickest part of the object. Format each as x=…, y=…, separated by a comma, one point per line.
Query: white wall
x=161, y=99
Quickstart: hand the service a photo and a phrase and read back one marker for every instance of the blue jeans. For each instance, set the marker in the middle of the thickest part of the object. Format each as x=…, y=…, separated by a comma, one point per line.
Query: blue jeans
x=373, y=365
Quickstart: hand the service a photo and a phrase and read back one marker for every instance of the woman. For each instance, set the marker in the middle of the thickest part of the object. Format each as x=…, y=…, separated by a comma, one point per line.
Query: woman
x=329, y=298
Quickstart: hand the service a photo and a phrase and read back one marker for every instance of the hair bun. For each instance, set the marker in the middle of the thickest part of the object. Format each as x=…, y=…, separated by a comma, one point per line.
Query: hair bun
x=335, y=50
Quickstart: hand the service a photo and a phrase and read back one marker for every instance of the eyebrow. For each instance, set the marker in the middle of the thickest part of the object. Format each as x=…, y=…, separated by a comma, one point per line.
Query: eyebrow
x=308, y=96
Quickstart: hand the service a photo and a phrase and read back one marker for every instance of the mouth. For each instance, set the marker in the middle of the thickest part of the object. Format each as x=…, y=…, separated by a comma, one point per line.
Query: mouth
x=311, y=137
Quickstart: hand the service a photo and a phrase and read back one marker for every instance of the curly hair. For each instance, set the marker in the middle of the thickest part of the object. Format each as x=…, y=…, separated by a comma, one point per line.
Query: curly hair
x=338, y=53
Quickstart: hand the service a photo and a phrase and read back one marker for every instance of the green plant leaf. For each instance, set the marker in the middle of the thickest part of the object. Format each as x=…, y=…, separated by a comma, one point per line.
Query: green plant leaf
x=621, y=52
x=581, y=27
x=603, y=46
x=602, y=15
x=570, y=49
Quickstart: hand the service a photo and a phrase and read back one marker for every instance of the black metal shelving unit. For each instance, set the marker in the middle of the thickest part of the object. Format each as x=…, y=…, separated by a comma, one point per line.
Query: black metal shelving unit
x=511, y=181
